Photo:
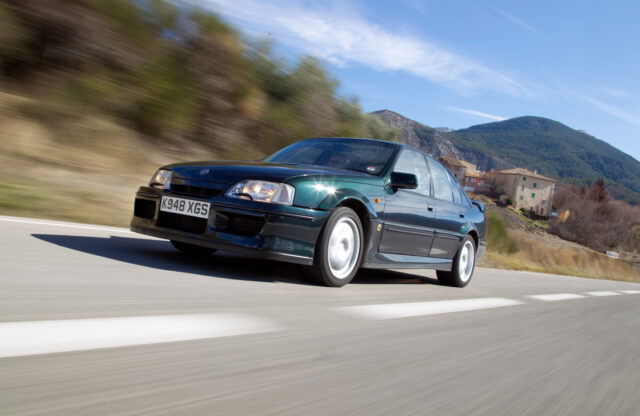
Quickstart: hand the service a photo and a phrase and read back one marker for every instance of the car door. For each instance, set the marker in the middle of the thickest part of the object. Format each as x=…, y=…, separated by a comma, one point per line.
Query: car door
x=409, y=214
x=449, y=218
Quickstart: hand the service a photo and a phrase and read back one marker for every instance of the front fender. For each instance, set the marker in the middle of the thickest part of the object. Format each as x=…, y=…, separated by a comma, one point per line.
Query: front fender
x=328, y=194
x=341, y=195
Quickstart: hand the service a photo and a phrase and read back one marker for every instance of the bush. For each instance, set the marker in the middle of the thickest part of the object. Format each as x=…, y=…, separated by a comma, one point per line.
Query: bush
x=498, y=238
x=509, y=201
x=174, y=74
x=592, y=218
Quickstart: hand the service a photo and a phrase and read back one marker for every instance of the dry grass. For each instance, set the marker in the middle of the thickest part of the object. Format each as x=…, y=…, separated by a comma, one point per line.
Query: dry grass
x=25, y=198
x=536, y=255
x=60, y=165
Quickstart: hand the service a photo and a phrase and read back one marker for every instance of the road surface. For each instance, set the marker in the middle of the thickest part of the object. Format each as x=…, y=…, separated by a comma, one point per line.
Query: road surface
x=100, y=321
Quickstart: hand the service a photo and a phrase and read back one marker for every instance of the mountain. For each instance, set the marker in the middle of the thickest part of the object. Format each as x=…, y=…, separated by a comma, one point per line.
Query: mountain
x=535, y=143
x=439, y=143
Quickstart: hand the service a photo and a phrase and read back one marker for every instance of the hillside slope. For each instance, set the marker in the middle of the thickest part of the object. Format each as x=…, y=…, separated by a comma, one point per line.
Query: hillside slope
x=535, y=143
x=439, y=143
x=554, y=150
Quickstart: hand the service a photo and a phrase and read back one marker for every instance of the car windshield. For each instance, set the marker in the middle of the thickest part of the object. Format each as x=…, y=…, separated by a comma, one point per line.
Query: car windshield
x=353, y=154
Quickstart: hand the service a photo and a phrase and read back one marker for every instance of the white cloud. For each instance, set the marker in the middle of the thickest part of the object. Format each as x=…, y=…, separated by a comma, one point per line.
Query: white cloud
x=342, y=38
x=615, y=92
x=517, y=21
x=476, y=113
x=622, y=114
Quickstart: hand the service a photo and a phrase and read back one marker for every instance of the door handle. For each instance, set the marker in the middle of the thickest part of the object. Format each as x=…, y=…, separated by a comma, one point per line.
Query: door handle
x=461, y=215
x=430, y=209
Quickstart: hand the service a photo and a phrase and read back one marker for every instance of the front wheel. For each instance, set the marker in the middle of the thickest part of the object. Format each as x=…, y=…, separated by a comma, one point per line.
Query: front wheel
x=463, y=265
x=339, y=248
x=192, y=250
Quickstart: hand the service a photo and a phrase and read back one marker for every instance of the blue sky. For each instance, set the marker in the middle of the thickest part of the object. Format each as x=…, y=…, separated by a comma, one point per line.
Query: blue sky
x=459, y=63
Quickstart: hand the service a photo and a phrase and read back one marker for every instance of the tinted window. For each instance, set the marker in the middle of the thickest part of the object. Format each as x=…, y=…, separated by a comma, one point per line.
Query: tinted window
x=456, y=190
x=413, y=162
x=441, y=184
x=465, y=197
x=361, y=155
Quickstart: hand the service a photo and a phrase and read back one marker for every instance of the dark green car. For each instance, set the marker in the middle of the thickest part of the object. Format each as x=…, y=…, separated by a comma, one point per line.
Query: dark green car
x=337, y=204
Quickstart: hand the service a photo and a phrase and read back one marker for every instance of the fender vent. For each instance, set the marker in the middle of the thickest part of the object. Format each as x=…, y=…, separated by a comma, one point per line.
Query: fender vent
x=144, y=208
x=244, y=225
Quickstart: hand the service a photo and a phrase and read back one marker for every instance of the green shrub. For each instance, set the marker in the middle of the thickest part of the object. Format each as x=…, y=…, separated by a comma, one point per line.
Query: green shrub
x=498, y=238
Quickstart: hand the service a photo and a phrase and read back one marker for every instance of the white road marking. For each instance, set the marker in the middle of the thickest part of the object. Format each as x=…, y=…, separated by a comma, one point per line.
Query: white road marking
x=551, y=297
x=404, y=310
x=65, y=224
x=630, y=292
x=44, y=337
x=602, y=293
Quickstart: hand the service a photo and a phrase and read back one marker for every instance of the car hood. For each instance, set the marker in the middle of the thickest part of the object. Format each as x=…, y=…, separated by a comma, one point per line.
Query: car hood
x=232, y=172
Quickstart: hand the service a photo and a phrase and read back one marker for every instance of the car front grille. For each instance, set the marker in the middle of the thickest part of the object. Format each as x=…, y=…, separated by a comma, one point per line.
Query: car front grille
x=182, y=222
x=195, y=190
x=144, y=208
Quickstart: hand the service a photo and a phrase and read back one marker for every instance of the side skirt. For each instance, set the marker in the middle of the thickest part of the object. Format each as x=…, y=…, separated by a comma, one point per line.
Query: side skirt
x=399, y=261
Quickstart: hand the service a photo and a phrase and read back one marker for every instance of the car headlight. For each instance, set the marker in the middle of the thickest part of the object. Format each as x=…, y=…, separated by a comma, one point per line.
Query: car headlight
x=263, y=191
x=161, y=179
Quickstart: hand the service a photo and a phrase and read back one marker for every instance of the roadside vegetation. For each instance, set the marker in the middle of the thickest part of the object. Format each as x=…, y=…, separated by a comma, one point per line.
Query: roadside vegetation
x=524, y=245
x=590, y=216
x=95, y=95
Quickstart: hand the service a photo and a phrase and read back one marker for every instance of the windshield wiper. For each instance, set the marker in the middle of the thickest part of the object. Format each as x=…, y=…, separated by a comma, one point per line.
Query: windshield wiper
x=357, y=170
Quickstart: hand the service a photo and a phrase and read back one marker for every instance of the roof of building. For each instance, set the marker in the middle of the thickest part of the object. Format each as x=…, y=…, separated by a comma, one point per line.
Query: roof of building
x=452, y=161
x=470, y=167
x=474, y=174
x=522, y=172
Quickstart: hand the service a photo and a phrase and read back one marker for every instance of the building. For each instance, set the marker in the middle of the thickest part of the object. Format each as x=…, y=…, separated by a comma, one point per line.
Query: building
x=528, y=190
x=471, y=179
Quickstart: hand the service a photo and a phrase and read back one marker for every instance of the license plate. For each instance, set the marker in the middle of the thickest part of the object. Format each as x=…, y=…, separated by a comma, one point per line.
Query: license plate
x=185, y=207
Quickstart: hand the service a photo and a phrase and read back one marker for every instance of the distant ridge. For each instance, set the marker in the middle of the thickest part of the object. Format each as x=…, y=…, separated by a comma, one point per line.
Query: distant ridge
x=534, y=143
x=439, y=143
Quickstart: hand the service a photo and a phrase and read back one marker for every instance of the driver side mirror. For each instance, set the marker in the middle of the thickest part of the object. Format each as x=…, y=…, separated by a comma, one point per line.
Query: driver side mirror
x=400, y=180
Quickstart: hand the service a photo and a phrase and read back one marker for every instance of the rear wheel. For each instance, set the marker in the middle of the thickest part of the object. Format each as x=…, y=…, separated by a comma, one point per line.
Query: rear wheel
x=339, y=248
x=463, y=265
x=192, y=249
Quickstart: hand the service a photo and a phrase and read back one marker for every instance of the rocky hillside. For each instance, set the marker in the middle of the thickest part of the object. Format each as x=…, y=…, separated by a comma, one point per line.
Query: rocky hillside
x=555, y=150
x=438, y=142
x=535, y=143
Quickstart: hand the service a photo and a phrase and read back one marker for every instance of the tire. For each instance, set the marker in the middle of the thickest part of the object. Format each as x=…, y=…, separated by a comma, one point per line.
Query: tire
x=193, y=250
x=463, y=265
x=339, y=248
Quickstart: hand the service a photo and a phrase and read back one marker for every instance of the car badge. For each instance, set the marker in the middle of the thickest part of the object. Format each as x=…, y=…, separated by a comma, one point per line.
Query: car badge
x=204, y=172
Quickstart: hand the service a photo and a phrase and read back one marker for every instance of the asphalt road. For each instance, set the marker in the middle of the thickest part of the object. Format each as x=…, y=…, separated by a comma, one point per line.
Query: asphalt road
x=100, y=321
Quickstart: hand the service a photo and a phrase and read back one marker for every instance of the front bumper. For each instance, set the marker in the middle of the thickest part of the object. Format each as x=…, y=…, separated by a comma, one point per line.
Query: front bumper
x=260, y=230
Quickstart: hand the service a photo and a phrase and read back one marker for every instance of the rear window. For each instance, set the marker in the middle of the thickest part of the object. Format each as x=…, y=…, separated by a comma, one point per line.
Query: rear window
x=456, y=190
x=465, y=198
x=441, y=184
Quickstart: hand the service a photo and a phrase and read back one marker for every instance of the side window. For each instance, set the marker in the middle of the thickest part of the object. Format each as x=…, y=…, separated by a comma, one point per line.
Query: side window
x=465, y=198
x=414, y=163
x=441, y=184
x=456, y=190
